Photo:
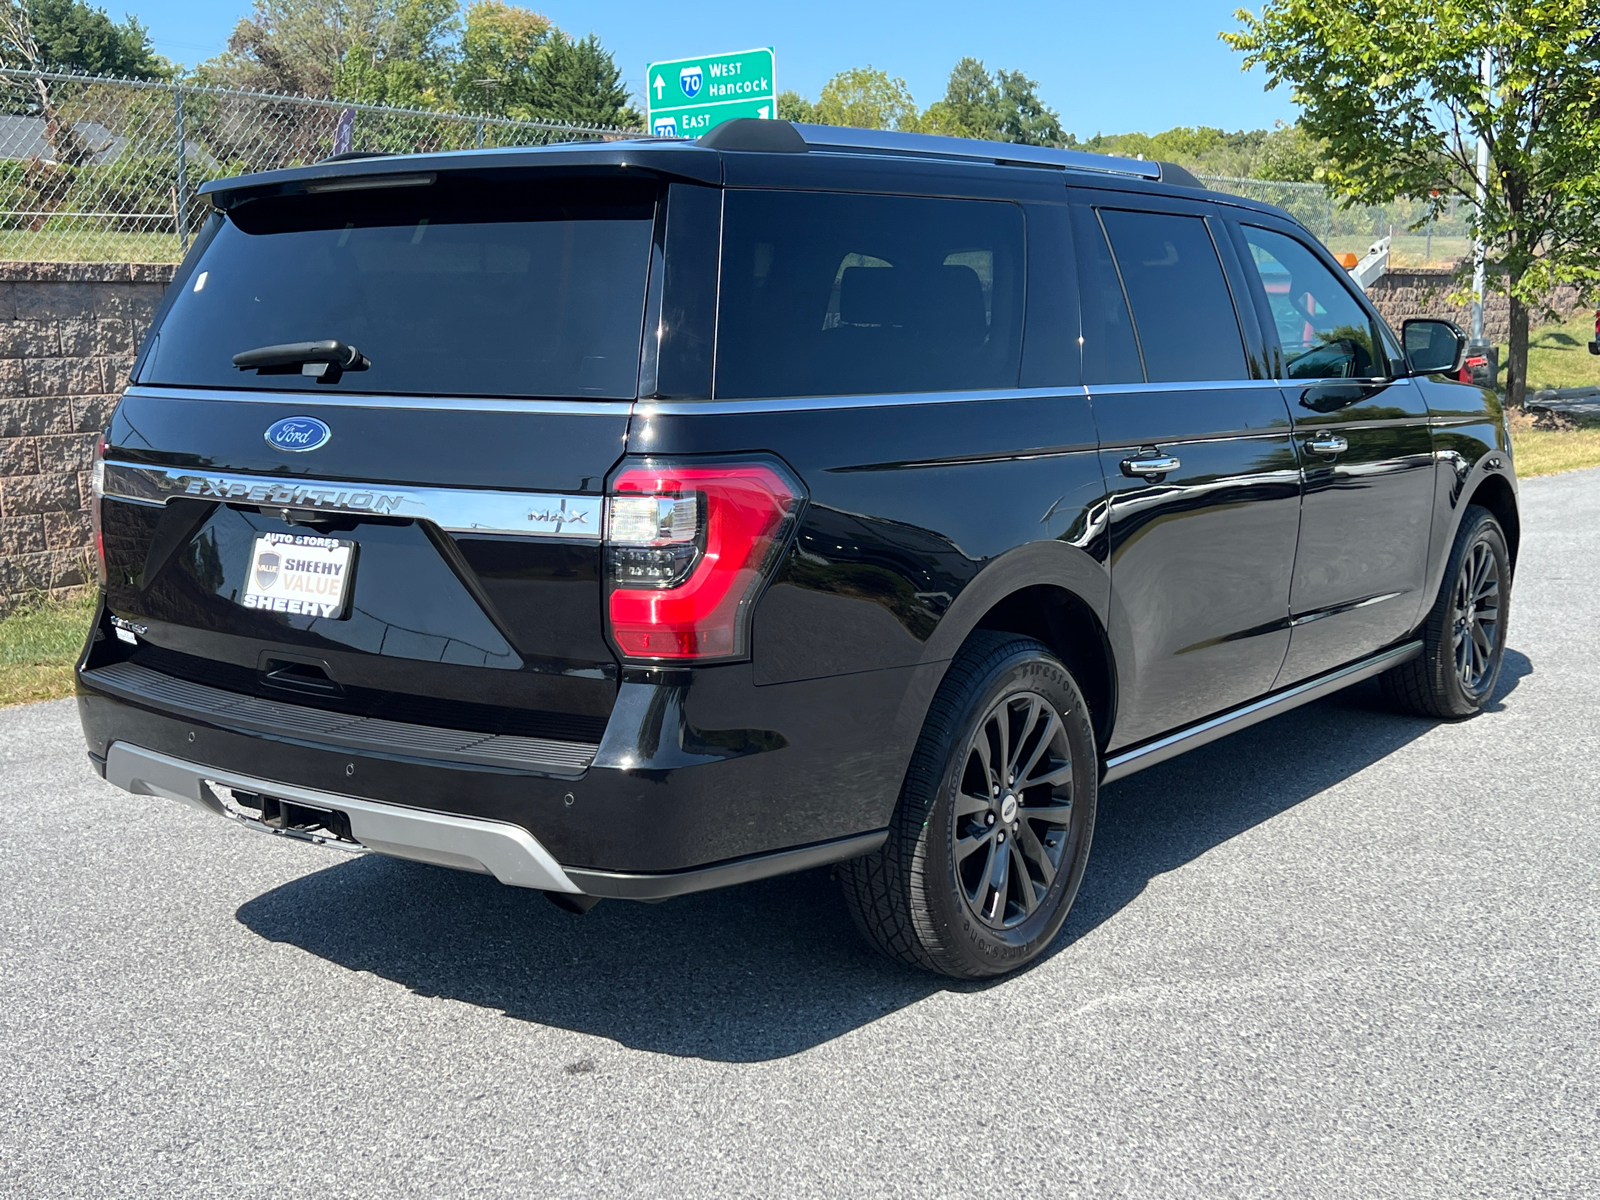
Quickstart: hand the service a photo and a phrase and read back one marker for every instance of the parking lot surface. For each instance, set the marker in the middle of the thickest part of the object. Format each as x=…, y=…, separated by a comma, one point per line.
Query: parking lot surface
x=1345, y=953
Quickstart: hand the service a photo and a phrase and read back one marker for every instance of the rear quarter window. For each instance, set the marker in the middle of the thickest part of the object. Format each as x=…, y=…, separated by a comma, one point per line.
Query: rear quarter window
x=825, y=294
x=461, y=287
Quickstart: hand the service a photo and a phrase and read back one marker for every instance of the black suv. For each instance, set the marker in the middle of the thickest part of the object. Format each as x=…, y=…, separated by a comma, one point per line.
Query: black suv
x=633, y=519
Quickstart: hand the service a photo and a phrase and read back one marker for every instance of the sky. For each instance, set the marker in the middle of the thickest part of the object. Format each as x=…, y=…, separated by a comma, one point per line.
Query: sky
x=1114, y=67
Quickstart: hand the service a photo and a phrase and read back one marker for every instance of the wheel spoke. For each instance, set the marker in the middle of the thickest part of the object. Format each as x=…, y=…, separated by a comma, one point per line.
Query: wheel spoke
x=1034, y=852
x=967, y=804
x=966, y=847
x=1046, y=737
x=1481, y=649
x=1030, y=898
x=980, y=899
x=999, y=883
x=1056, y=777
x=981, y=746
x=1003, y=726
x=1050, y=814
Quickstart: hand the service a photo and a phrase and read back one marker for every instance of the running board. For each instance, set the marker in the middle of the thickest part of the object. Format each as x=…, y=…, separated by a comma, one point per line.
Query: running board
x=1120, y=766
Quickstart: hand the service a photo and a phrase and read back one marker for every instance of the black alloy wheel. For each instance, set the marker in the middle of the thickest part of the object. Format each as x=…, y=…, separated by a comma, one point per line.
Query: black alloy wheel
x=1013, y=812
x=1464, y=636
x=989, y=841
x=1475, y=618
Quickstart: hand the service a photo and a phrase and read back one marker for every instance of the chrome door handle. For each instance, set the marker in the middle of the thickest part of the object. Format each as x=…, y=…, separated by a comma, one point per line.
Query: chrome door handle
x=1150, y=465
x=1327, y=443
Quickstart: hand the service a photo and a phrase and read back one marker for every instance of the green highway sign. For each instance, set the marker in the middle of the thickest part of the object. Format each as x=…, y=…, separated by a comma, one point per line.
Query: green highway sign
x=689, y=95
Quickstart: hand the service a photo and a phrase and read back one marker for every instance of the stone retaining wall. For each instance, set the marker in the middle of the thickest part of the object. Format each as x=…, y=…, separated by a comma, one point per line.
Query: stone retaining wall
x=1406, y=292
x=68, y=333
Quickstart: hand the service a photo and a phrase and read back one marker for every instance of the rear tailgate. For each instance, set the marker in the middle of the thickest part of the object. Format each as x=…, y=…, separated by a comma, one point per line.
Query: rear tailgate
x=448, y=486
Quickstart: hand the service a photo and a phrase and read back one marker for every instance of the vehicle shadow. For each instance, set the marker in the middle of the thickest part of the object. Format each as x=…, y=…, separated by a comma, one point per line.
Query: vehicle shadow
x=774, y=968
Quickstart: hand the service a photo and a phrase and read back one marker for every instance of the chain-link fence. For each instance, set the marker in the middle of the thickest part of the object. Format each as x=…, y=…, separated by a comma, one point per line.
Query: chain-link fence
x=1417, y=239
x=95, y=169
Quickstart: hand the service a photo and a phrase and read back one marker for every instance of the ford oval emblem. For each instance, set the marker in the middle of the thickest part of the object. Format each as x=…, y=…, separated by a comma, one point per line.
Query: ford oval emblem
x=296, y=434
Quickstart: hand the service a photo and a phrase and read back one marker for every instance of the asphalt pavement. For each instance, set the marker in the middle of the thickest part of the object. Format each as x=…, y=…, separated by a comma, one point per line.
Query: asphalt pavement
x=1343, y=954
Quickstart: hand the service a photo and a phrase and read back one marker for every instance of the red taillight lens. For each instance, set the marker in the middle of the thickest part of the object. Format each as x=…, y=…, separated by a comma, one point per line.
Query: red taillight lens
x=688, y=546
x=96, y=499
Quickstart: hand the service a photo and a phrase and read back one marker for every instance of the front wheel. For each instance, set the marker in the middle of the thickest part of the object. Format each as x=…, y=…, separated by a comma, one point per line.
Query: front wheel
x=989, y=841
x=1464, y=637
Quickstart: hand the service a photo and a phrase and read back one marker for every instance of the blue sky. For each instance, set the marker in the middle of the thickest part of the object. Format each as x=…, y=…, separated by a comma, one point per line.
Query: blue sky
x=1106, y=67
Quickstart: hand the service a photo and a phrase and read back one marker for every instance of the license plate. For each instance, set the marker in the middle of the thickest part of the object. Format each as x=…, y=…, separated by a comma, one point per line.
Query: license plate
x=299, y=573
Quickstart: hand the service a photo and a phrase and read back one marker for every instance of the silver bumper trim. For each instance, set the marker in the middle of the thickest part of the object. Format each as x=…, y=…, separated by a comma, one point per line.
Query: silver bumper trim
x=508, y=852
x=455, y=510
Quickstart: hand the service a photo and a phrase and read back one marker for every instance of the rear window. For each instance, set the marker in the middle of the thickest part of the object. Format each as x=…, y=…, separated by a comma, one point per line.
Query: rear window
x=832, y=295
x=460, y=287
x=1182, y=308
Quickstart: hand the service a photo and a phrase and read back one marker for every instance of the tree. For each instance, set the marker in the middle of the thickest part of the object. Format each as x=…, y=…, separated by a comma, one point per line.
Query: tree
x=74, y=36
x=387, y=51
x=866, y=98
x=1393, y=88
x=792, y=106
x=1003, y=107
x=576, y=79
x=498, y=48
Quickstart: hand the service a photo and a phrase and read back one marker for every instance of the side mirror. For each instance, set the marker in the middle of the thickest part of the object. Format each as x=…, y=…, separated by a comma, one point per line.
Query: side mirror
x=1433, y=347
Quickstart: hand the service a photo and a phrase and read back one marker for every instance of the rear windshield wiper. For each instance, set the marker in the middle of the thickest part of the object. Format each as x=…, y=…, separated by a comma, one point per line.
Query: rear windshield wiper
x=324, y=361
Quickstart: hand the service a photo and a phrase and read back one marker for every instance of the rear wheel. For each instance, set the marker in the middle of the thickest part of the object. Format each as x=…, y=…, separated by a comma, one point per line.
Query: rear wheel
x=991, y=835
x=1464, y=636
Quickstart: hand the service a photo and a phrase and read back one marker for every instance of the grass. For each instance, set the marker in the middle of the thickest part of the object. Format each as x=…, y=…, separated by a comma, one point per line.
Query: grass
x=1558, y=355
x=1545, y=451
x=39, y=642
x=88, y=246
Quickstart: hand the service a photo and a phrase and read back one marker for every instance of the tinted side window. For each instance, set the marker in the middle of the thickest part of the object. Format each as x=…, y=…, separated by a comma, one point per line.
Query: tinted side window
x=1324, y=332
x=1110, y=350
x=833, y=295
x=1182, y=308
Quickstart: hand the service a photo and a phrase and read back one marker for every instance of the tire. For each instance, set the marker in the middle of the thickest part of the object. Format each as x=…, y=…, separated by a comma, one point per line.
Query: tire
x=975, y=885
x=1464, y=637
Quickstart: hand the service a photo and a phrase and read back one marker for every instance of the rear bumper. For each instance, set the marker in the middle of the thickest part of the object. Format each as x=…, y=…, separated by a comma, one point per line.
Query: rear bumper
x=675, y=799
x=495, y=848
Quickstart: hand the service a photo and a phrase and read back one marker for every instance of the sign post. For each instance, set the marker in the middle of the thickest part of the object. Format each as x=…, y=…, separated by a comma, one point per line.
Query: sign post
x=690, y=95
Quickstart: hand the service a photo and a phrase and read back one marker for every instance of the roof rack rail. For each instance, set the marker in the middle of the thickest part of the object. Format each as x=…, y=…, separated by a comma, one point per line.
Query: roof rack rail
x=883, y=141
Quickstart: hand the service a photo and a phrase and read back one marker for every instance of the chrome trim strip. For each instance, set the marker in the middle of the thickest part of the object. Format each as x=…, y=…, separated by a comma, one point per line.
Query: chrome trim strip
x=298, y=400
x=1120, y=766
x=508, y=852
x=651, y=408
x=1339, y=609
x=1201, y=385
x=456, y=510
x=342, y=732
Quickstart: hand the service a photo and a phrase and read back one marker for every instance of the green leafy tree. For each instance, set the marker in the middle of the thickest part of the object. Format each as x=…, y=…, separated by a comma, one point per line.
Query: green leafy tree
x=80, y=37
x=866, y=98
x=1392, y=88
x=576, y=79
x=494, y=73
x=1003, y=107
x=792, y=106
x=390, y=51
x=405, y=59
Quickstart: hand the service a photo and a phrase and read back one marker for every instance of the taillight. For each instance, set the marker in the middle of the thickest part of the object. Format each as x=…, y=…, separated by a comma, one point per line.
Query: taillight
x=97, y=498
x=688, y=546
